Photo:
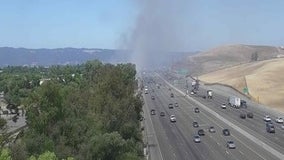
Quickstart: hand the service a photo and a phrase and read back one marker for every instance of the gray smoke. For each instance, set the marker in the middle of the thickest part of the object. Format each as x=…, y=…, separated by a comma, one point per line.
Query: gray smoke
x=161, y=27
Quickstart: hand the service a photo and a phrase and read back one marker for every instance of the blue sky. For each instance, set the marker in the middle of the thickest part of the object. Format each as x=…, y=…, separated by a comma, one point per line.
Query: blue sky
x=102, y=23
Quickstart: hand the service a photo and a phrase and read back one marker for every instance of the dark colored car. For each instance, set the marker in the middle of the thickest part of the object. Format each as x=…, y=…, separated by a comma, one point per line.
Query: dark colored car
x=243, y=116
x=196, y=110
x=201, y=132
x=162, y=114
x=153, y=98
x=172, y=95
x=195, y=124
x=226, y=132
x=171, y=106
x=244, y=104
x=250, y=115
x=270, y=127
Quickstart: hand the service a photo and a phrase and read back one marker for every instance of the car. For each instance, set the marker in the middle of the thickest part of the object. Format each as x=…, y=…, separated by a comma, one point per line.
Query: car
x=171, y=106
x=243, y=116
x=270, y=127
x=146, y=90
x=211, y=129
x=153, y=97
x=172, y=95
x=201, y=132
x=231, y=145
x=176, y=104
x=267, y=118
x=223, y=106
x=250, y=115
x=195, y=124
x=173, y=118
x=196, y=139
x=279, y=120
x=162, y=114
x=243, y=104
x=196, y=110
x=192, y=93
x=226, y=132
x=153, y=112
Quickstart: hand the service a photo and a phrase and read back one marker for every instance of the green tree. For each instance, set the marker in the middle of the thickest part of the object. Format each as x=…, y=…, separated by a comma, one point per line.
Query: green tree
x=5, y=154
x=107, y=146
x=3, y=123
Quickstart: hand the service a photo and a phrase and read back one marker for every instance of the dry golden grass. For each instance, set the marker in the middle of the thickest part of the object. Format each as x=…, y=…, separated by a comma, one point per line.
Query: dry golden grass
x=264, y=79
x=228, y=56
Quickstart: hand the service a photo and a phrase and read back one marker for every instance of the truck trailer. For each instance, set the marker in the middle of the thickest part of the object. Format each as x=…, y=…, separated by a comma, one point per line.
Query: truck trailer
x=234, y=101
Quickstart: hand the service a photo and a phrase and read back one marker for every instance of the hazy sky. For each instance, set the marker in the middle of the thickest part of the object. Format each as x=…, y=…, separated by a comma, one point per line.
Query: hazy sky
x=105, y=23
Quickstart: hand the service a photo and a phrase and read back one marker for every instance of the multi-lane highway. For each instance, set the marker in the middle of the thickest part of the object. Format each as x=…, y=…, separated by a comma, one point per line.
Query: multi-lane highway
x=174, y=140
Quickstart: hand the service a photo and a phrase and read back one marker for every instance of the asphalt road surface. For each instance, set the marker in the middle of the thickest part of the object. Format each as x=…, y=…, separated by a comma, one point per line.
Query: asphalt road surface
x=174, y=140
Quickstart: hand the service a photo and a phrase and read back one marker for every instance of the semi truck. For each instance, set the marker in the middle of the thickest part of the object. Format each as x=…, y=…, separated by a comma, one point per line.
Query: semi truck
x=234, y=101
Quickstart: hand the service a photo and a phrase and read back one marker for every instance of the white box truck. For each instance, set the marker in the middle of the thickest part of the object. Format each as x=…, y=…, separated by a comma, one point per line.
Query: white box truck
x=234, y=101
x=209, y=94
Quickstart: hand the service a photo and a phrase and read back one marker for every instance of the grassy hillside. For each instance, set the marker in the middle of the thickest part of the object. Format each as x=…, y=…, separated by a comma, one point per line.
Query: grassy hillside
x=228, y=56
x=264, y=80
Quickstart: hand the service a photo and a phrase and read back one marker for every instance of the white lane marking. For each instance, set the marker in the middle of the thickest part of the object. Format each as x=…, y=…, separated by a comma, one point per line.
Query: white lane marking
x=241, y=152
x=232, y=136
x=237, y=128
x=156, y=139
x=248, y=147
x=227, y=152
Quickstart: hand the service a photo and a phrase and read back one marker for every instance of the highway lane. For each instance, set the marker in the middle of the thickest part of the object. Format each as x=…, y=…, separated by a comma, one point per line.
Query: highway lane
x=255, y=125
x=203, y=119
x=275, y=142
x=184, y=131
x=149, y=134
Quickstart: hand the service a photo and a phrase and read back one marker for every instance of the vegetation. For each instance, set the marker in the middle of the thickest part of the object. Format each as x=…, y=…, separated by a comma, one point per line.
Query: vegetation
x=87, y=111
x=254, y=56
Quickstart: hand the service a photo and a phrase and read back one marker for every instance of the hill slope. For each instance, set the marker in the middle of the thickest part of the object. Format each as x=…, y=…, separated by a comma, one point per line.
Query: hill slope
x=228, y=56
x=264, y=80
x=46, y=57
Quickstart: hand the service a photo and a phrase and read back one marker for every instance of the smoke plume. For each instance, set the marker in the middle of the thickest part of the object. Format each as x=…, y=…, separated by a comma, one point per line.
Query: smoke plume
x=161, y=27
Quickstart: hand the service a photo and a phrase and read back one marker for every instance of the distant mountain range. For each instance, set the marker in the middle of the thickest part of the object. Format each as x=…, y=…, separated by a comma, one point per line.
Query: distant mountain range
x=46, y=57
x=61, y=56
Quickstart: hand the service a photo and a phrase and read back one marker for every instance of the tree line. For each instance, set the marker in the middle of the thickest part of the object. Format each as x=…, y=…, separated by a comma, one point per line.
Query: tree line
x=87, y=111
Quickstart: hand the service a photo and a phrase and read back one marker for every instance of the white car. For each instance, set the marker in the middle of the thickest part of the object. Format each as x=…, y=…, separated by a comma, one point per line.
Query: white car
x=267, y=118
x=279, y=120
x=173, y=118
x=231, y=145
x=196, y=139
x=223, y=106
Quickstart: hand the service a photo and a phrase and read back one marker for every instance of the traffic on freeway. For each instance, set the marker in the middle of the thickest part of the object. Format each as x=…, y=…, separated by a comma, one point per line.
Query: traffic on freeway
x=205, y=127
